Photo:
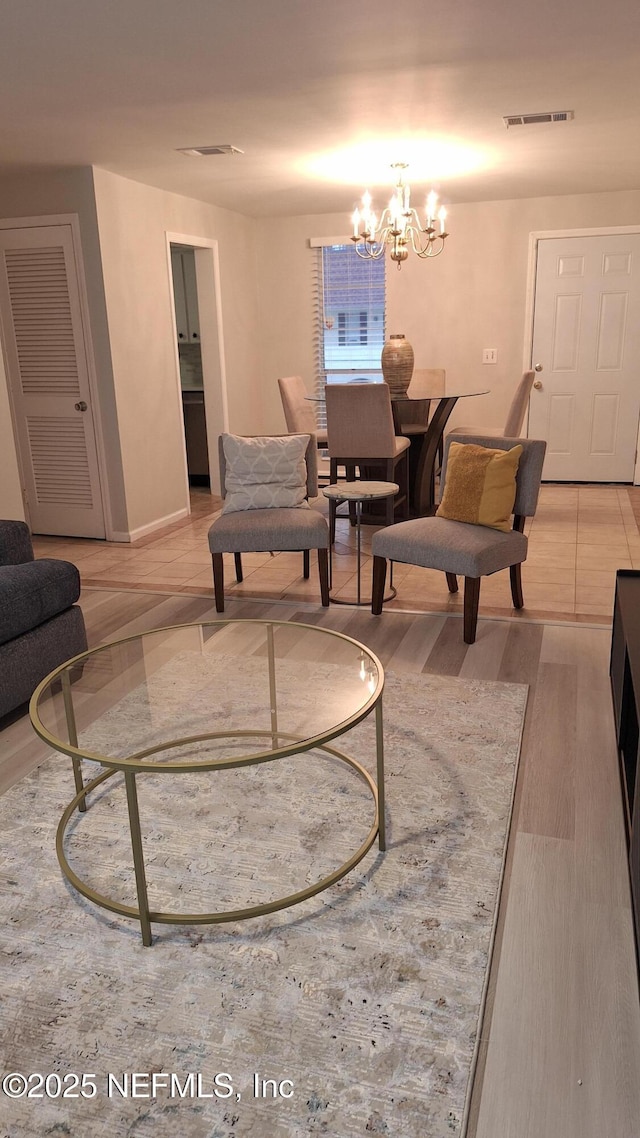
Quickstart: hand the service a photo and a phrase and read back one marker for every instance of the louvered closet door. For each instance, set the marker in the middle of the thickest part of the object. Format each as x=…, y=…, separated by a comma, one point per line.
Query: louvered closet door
x=47, y=365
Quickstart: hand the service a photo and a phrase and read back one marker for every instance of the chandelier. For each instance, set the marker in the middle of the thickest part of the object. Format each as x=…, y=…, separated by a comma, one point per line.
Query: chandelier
x=400, y=226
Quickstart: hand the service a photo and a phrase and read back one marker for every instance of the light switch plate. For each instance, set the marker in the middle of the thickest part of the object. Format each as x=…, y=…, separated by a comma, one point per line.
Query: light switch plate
x=489, y=355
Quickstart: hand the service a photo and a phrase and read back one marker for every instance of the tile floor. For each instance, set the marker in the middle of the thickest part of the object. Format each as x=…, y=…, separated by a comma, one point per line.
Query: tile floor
x=578, y=538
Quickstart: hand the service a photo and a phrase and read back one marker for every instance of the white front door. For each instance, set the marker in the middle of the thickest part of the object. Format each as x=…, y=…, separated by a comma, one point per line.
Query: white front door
x=586, y=400
x=47, y=369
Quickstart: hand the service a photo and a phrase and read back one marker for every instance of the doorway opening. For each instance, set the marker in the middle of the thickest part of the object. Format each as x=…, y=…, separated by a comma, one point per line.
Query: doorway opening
x=200, y=372
x=185, y=300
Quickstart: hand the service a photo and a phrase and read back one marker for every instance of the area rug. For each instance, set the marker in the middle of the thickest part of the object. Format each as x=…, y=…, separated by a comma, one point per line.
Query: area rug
x=354, y=1013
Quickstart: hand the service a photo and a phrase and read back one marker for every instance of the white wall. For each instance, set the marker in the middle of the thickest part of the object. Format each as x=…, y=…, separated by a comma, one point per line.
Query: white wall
x=470, y=298
x=133, y=220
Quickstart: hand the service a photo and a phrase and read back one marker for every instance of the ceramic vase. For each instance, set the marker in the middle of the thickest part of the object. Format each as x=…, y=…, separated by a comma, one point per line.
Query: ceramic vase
x=397, y=365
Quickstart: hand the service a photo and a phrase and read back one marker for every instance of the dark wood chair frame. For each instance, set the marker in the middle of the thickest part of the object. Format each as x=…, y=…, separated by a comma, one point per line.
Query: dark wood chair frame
x=218, y=574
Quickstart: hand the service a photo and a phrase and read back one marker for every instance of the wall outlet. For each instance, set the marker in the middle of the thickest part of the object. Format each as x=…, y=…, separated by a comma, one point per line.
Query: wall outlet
x=489, y=355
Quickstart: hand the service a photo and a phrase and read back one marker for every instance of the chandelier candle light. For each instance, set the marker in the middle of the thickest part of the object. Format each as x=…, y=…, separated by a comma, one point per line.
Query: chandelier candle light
x=399, y=227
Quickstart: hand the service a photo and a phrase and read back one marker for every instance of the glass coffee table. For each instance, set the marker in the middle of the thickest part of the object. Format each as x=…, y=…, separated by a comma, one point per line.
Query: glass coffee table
x=195, y=700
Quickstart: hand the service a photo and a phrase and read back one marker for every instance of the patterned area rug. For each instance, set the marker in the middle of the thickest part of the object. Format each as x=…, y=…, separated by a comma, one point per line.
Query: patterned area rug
x=355, y=1013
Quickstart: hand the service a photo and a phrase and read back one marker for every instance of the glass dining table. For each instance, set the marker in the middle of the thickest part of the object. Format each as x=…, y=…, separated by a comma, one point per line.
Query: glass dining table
x=426, y=432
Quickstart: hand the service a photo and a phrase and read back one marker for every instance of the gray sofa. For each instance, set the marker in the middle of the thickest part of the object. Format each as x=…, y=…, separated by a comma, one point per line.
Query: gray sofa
x=40, y=624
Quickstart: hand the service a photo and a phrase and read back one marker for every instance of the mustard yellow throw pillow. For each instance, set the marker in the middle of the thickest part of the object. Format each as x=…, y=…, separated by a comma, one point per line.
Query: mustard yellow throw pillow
x=480, y=485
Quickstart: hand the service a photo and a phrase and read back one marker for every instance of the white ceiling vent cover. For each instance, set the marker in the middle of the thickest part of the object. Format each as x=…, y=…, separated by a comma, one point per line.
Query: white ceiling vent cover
x=209, y=151
x=541, y=117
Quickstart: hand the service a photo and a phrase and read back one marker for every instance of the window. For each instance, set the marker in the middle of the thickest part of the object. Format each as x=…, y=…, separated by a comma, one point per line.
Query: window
x=350, y=304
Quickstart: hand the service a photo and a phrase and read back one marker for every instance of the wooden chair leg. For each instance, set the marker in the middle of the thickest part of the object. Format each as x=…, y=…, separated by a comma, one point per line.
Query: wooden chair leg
x=332, y=521
x=390, y=502
x=218, y=580
x=379, y=580
x=516, y=586
x=407, y=486
x=323, y=573
x=471, y=599
x=238, y=560
x=305, y=564
x=452, y=582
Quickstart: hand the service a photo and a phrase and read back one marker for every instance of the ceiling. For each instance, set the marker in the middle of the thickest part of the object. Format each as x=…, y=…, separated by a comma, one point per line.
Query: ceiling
x=323, y=97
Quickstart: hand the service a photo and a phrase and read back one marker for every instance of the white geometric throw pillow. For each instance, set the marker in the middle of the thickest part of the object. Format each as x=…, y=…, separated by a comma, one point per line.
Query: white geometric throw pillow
x=264, y=473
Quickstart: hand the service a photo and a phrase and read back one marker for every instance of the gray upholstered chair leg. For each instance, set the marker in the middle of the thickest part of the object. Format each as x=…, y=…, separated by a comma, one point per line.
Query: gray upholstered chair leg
x=471, y=601
x=238, y=561
x=379, y=579
x=516, y=586
x=452, y=582
x=323, y=573
x=515, y=570
x=333, y=478
x=218, y=580
x=404, y=483
x=305, y=564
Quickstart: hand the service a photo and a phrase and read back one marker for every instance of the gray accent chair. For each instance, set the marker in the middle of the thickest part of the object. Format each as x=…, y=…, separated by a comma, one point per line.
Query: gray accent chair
x=258, y=531
x=458, y=548
x=40, y=624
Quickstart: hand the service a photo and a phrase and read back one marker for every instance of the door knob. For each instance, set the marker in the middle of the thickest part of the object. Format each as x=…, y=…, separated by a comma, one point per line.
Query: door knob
x=81, y=406
x=538, y=367
x=538, y=384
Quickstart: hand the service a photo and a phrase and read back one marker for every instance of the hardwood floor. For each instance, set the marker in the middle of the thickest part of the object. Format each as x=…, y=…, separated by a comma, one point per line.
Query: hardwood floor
x=559, y=1052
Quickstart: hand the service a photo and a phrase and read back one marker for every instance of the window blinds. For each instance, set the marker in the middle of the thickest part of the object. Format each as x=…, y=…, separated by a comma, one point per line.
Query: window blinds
x=350, y=314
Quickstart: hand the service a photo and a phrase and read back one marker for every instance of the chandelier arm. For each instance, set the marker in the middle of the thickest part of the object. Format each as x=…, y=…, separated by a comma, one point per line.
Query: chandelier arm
x=431, y=248
x=365, y=249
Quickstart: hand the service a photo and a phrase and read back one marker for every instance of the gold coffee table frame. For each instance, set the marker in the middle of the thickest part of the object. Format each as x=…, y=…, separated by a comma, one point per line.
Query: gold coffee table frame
x=142, y=761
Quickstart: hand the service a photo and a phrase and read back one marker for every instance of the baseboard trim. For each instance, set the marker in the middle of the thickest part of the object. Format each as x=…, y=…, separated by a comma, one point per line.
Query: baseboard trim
x=151, y=527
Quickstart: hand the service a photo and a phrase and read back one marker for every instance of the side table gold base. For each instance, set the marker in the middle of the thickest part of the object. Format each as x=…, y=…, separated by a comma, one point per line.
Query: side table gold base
x=357, y=493
x=393, y=592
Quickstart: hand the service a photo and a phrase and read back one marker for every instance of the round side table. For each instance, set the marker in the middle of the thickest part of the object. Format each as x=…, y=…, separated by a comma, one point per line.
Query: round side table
x=359, y=492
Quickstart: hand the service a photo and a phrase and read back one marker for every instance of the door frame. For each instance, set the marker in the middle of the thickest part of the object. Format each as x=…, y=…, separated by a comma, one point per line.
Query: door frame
x=73, y=220
x=530, y=296
x=214, y=375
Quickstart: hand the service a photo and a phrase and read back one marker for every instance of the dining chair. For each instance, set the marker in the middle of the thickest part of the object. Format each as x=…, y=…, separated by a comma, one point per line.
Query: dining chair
x=260, y=530
x=460, y=548
x=361, y=435
x=515, y=415
x=298, y=410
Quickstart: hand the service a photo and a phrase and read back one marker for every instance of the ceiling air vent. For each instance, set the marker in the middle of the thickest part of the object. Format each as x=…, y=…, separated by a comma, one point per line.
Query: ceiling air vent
x=209, y=151
x=533, y=120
